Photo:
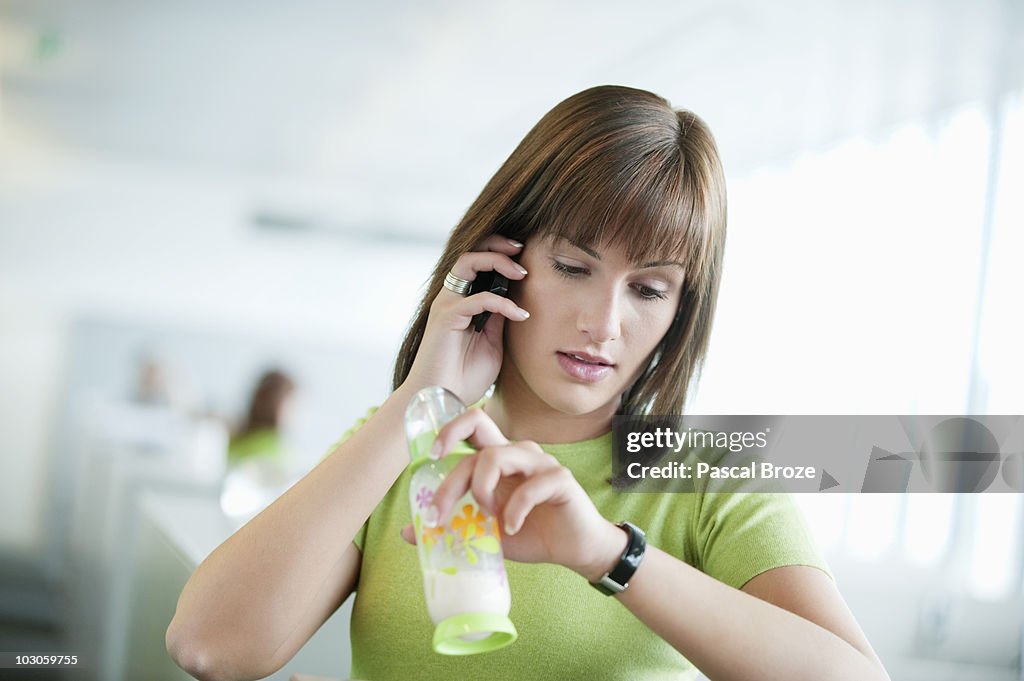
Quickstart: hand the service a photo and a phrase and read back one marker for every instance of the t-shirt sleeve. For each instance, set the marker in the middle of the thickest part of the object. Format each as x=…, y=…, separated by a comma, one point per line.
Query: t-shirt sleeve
x=360, y=537
x=739, y=535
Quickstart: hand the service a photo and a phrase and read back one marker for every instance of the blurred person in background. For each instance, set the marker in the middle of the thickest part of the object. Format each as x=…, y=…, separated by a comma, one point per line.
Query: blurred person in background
x=154, y=382
x=161, y=382
x=259, y=461
x=260, y=435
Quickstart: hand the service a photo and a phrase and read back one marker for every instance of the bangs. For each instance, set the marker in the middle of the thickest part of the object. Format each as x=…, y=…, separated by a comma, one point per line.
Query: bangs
x=648, y=206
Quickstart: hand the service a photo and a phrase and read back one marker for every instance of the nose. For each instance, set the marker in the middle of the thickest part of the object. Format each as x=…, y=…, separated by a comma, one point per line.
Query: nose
x=600, y=318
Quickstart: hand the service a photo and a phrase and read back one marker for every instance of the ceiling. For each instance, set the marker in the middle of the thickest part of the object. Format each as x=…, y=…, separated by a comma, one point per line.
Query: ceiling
x=394, y=114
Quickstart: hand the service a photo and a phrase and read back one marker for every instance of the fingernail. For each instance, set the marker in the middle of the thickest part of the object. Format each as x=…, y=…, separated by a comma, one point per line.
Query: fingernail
x=515, y=243
x=511, y=529
x=435, y=450
x=430, y=516
x=523, y=313
x=521, y=268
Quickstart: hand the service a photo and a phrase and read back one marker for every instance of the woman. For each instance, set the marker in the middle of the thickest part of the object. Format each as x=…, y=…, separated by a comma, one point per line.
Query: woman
x=260, y=463
x=609, y=219
x=260, y=436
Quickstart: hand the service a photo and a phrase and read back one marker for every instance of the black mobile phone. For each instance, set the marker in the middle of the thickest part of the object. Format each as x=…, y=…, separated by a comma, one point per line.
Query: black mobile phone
x=487, y=281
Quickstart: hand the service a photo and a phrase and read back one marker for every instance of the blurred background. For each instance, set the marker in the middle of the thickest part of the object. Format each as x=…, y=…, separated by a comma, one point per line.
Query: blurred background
x=216, y=219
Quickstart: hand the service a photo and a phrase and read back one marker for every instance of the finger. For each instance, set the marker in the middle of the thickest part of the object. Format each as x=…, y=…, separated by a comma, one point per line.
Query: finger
x=497, y=462
x=485, y=479
x=455, y=484
x=553, y=484
x=500, y=244
x=409, y=534
x=486, y=302
x=494, y=463
x=468, y=264
x=494, y=328
x=473, y=426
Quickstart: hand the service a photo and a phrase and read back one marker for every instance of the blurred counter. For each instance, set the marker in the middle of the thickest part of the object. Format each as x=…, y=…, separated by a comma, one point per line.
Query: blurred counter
x=175, y=533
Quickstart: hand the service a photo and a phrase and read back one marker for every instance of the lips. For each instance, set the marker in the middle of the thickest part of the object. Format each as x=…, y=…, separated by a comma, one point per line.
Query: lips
x=585, y=367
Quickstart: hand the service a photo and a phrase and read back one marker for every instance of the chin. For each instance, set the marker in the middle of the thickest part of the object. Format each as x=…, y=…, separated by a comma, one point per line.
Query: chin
x=579, y=400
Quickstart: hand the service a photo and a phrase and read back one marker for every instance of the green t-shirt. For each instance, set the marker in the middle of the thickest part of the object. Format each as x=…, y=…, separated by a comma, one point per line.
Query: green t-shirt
x=262, y=443
x=567, y=629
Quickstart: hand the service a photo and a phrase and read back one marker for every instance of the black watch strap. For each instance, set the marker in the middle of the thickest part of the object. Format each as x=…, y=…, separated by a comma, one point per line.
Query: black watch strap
x=617, y=579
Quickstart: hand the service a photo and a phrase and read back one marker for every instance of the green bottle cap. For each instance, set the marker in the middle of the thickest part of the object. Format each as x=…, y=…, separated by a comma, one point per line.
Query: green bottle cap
x=474, y=632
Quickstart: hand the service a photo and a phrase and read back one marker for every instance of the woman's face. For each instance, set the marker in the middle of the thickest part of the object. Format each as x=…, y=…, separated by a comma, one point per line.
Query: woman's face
x=595, y=319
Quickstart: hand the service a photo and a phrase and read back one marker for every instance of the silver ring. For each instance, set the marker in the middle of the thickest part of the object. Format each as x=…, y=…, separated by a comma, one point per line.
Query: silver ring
x=457, y=284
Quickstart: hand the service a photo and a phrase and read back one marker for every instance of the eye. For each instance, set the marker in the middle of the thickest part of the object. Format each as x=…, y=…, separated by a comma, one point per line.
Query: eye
x=648, y=293
x=567, y=270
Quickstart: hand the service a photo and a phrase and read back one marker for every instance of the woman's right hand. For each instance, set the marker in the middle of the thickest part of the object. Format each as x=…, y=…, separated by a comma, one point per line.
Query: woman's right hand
x=451, y=354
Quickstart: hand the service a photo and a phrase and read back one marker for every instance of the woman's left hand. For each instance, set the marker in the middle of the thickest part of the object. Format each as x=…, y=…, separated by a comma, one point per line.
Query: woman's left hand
x=544, y=514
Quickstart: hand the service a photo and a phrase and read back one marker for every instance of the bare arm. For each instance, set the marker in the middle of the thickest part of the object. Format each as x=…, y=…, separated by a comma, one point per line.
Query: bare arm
x=256, y=600
x=260, y=595
x=788, y=623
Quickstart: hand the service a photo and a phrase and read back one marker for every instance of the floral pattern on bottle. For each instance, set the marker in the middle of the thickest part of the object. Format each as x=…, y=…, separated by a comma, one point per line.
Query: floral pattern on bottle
x=467, y=533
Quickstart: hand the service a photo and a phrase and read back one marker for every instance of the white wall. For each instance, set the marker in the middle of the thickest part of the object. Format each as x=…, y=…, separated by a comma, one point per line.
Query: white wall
x=171, y=250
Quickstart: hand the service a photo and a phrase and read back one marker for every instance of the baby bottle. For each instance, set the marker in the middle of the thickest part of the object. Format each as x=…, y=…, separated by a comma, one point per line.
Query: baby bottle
x=460, y=556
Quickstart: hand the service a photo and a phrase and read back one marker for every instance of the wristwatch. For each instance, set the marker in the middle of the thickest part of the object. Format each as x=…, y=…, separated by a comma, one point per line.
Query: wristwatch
x=617, y=579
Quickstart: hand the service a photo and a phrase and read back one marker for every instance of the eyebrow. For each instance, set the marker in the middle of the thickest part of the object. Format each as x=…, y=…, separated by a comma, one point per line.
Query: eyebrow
x=597, y=256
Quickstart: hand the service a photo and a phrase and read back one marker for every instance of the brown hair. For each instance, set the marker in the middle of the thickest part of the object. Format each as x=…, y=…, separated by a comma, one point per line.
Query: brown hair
x=265, y=405
x=612, y=165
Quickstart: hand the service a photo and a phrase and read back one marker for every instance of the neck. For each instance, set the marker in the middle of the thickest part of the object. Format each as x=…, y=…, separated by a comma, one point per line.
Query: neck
x=521, y=415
